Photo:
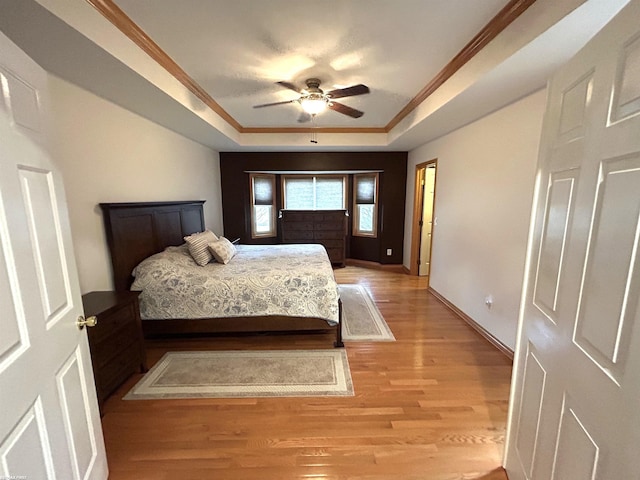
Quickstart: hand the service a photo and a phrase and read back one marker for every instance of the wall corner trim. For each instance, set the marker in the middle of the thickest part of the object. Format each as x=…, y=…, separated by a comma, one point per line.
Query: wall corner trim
x=473, y=324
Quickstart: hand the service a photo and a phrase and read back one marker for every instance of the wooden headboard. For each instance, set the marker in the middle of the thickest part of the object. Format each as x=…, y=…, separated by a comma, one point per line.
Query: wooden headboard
x=137, y=230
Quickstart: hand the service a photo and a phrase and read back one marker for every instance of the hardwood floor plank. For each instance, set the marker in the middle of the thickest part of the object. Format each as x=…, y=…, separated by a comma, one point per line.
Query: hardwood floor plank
x=431, y=405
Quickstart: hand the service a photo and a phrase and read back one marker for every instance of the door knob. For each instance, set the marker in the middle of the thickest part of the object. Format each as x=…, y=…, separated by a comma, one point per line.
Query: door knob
x=91, y=321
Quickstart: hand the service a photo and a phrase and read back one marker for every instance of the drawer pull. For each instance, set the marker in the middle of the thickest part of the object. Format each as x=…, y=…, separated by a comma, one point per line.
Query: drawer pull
x=91, y=321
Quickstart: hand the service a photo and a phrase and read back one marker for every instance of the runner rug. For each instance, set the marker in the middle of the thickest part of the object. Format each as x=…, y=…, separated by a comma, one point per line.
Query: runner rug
x=361, y=319
x=266, y=373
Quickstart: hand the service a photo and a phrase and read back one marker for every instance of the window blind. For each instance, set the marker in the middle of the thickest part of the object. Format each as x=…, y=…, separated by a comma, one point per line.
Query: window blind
x=262, y=191
x=329, y=193
x=365, y=190
x=314, y=193
x=298, y=193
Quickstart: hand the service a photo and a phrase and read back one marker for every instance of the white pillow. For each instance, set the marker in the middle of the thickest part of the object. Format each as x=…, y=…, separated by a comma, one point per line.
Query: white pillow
x=222, y=250
x=197, y=244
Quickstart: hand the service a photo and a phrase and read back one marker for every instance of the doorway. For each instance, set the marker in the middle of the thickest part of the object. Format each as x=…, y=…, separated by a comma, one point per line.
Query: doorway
x=423, y=218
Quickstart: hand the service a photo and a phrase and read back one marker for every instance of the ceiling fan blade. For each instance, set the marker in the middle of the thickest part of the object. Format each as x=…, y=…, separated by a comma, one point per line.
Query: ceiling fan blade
x=349, y=91
x=340, y=108
x=290, y=86
x=304, y=117
x=275, y=103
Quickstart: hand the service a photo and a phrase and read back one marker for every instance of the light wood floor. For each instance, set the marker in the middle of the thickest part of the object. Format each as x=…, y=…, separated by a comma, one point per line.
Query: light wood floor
x=430, y=406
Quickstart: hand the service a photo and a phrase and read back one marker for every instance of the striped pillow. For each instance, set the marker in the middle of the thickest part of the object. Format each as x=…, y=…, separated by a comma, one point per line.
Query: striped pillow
x=223, y=250
x=197, y=244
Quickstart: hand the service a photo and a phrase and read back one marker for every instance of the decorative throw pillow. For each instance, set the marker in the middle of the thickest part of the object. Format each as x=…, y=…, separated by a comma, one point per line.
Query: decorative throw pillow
x=197, y=244
x=223, y=250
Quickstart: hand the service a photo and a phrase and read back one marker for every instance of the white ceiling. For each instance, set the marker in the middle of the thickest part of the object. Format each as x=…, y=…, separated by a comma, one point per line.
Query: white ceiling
x=236, y=51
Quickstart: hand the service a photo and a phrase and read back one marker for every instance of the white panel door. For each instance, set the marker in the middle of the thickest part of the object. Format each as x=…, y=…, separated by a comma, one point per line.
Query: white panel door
x=575, y=406
x=49, y=420
x=427, y=219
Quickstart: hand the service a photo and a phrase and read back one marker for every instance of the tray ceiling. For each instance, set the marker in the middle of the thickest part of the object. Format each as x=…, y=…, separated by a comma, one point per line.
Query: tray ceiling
x=199, y=66
x=236, y=51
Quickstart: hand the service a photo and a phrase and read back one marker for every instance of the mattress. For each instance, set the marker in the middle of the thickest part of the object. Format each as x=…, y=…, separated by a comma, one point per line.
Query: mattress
x=260, y=280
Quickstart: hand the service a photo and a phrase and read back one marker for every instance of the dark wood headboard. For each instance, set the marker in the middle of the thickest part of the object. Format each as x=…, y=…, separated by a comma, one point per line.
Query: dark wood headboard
x=136, y=231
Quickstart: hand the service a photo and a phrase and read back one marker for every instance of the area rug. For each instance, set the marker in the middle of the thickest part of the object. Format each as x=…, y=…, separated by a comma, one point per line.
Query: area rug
x=266, y=373
x=361, y=319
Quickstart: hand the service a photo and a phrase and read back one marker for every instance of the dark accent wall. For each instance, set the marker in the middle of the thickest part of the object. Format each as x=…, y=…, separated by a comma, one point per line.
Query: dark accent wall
x=236, y=202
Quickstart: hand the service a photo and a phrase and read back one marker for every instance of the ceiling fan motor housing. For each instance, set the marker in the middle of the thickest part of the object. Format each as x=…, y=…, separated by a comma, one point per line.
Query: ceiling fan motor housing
x=313, y=86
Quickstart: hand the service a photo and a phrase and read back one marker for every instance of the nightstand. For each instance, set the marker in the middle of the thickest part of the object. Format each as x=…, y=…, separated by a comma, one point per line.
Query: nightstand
x=116, y=342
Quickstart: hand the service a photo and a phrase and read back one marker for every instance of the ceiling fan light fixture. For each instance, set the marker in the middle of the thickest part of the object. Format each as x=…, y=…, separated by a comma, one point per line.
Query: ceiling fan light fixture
x=314, y=101
x=314, y=104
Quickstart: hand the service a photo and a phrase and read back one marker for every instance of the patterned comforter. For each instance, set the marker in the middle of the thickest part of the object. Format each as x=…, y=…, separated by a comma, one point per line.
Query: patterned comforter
x=290, y=280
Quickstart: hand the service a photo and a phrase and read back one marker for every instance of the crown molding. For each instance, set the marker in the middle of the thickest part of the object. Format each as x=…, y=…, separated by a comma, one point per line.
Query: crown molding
x=121, y=20
x=496, y=25
x=313, y=130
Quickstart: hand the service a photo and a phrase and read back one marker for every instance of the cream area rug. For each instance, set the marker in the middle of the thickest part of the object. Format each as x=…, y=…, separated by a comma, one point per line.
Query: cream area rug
x=361, y=319
x=265, y=373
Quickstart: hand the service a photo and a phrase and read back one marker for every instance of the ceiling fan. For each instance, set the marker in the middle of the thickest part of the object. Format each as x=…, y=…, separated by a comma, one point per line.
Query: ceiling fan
x=313, y=100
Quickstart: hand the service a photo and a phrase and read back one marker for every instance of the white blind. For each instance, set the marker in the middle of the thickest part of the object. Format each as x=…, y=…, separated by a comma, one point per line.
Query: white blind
x=314, y=193
x=365, y=190
x=298, y=193
x=262, y=191
x=329, y=193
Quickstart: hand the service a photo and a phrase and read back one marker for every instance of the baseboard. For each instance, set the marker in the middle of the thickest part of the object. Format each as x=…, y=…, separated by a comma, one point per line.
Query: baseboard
x=406, y=270
x=374, y=265
x=473, y=324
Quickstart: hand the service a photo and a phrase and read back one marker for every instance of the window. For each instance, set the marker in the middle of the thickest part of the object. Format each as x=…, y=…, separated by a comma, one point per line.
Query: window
x=308, y=192
x=263, y=209
x=365, y=205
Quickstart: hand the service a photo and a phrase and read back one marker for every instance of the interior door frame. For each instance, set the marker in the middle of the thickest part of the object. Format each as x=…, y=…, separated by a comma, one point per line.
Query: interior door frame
x=418, y=205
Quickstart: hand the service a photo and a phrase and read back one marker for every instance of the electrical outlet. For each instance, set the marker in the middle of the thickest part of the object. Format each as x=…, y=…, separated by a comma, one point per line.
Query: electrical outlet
x=389, y=252
x=488, y=301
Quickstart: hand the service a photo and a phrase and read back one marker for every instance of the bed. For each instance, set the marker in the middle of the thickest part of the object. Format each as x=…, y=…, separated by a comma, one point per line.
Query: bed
x=147, y=239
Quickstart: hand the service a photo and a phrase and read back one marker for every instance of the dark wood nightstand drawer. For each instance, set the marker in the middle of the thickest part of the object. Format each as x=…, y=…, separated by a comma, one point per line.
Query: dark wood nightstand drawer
x=330, y=216
x=109, y=324
x=113, y=345
x=333, y=225
x=297, y=226
x=295, y=235
x=119, y=367
x=330, y=243
x=336, y=255
x=330, y=235
x=300, y=216
x=116, y=342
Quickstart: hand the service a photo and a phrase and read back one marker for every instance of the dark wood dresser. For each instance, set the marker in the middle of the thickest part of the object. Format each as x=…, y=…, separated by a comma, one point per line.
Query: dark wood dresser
x=326, y=227
x=116, y=342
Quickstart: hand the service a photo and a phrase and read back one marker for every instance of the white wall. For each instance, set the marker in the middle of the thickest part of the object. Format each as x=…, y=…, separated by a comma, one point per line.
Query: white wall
x=108, y=154
x=484, y=188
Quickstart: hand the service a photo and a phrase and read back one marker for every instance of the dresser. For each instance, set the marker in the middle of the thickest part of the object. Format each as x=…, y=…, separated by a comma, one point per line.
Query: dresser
x=116, y=342
x=326, y=227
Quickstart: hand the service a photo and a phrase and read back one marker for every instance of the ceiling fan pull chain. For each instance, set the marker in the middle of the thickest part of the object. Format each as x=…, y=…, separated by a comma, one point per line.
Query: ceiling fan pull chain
x=314, y=137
